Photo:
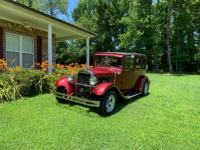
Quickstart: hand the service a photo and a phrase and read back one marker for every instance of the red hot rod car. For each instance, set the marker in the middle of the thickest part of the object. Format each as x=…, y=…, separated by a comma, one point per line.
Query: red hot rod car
x=114, y=76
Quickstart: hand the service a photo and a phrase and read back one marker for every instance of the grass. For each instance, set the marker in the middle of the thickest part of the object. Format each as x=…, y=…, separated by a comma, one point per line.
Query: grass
x=168, y=118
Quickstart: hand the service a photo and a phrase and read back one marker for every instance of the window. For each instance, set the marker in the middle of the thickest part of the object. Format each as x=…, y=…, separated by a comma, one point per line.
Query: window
x=108, y=61
x=19, y=50
x=140, y=63
x=129, y=63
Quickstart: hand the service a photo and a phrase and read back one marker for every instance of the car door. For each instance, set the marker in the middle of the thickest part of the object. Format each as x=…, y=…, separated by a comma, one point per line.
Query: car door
x=126, y=79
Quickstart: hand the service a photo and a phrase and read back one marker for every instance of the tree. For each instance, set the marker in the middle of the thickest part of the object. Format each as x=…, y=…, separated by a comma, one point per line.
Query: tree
x=173, y=32
x=51, y=7
x=139, y=35
x=197, y=58
x=104, y=18
x=169, y=34
x=36, y=4
x=55, y=7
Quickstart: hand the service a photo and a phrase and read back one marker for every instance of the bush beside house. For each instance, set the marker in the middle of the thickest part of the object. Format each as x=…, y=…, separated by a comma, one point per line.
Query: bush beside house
x=17, y=82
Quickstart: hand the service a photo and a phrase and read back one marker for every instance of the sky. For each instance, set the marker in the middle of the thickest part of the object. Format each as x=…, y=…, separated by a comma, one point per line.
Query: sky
x=71, y=5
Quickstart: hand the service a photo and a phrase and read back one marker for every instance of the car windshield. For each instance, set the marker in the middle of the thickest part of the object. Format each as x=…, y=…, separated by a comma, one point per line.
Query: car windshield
x=108, y=61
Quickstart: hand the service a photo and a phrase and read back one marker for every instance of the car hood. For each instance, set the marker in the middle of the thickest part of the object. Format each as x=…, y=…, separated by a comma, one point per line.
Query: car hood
x=97, y=71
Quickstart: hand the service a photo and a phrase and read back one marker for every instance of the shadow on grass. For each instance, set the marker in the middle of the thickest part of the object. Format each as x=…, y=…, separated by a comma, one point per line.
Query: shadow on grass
x=79, y=108
x=123, y=103
x=94, y=112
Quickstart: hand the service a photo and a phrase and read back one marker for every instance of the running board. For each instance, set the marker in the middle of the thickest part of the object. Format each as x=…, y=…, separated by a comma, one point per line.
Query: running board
x=131, y=96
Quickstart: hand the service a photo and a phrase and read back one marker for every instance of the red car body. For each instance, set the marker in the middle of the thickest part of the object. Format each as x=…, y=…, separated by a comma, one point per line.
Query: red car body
x=114, y=75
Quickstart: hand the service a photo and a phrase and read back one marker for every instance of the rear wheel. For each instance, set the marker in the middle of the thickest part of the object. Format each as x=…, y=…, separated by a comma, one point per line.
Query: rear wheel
x=108, y=103
x=145, y=88
x=63, y=91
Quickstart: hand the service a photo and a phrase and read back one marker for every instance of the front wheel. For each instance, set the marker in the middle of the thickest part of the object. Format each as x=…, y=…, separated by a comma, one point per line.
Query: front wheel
x=108, y=103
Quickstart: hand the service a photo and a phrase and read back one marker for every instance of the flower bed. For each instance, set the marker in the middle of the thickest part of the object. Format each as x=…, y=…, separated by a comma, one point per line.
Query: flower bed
x=17, y=82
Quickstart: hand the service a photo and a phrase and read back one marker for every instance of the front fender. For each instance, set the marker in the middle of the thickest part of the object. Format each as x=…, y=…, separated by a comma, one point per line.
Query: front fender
x=64, y=83
x=101, y=89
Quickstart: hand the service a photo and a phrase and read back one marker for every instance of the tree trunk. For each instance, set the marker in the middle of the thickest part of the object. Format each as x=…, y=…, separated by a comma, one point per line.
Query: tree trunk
x=177, y=54
x=198, y=67
x=168, y=35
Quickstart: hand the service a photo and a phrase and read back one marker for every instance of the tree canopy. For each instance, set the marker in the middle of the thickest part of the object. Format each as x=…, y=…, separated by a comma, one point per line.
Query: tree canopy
x=167, y=31
x=51, y=7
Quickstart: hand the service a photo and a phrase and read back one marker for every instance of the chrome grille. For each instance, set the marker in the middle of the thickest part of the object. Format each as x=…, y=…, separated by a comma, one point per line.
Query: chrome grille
x=83, y=86
x=83, y=78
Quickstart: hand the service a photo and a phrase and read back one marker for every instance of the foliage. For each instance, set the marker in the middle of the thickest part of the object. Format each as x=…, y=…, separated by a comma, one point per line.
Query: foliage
x=36, y=4
x=55, y=7
x=167, y=31
x=104, y=18
x=197, y=58
x=31, y=82
x=9, y=89
x=17, y=82
x=71, y=51
x=168, y=118
x=51, y=7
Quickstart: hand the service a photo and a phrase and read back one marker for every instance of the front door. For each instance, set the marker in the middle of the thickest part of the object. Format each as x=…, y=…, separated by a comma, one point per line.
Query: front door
x=127, y=78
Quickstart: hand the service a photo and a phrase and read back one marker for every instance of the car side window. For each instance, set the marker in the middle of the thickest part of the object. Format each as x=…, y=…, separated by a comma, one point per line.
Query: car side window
x=140, y=63
x=143, y=63
x=137, y=63
x=129, y=63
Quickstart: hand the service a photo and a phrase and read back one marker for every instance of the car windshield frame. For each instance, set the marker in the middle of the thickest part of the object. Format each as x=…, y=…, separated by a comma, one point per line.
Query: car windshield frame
x=113, y=60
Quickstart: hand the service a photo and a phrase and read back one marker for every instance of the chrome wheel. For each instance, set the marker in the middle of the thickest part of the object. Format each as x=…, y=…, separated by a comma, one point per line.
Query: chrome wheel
x=110, y=103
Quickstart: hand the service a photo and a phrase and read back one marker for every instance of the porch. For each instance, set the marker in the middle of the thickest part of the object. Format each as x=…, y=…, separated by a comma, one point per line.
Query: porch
x=35, y=22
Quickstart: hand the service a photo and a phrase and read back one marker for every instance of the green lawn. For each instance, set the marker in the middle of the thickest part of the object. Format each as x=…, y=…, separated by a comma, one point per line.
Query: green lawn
x=168, y=118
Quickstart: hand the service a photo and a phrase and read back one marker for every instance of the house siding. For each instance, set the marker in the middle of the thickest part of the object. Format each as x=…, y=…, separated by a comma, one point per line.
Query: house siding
x=8, y=26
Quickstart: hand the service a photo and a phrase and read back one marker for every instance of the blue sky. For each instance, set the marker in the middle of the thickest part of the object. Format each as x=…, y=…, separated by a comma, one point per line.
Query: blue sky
x=71, y=5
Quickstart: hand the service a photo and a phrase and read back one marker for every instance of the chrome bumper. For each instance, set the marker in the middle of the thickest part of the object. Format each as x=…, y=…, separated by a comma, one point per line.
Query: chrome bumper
x=78, y=100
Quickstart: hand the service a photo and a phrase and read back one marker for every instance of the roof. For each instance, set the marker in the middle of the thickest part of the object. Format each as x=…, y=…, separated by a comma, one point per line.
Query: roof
x=18, y=13
x=118, y=54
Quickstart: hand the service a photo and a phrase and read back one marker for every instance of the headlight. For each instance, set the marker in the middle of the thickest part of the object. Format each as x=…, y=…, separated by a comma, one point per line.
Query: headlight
x=93, y=80
x=70, y=78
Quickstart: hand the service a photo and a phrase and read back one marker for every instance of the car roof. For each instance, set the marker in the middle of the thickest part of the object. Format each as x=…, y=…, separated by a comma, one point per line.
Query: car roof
x=118, y=54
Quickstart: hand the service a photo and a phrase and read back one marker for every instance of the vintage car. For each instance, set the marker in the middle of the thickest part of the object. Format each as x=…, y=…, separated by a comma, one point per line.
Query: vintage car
x=114, y=76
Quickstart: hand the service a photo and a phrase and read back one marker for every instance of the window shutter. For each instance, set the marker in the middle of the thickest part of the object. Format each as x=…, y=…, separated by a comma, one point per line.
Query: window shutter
x=39, y=49
x=1, y=42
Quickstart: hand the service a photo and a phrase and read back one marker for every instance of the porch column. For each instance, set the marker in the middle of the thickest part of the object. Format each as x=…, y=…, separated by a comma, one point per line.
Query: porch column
x=50, y=48
x=88, y=51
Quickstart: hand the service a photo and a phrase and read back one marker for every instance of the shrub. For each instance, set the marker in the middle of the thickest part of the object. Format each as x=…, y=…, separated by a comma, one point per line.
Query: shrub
x=32, y=82
x=17, y=82
x=9, y=89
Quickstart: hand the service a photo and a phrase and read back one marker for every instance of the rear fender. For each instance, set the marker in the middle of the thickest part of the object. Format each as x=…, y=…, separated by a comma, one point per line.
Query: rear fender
x=102, y=88
x=64, y=83
x=139, y=85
